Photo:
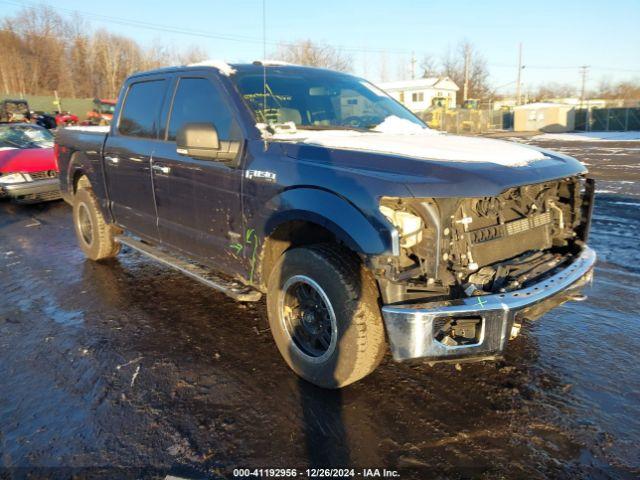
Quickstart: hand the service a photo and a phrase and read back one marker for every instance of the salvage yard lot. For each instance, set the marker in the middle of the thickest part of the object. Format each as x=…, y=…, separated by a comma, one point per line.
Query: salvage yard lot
x=129, y=365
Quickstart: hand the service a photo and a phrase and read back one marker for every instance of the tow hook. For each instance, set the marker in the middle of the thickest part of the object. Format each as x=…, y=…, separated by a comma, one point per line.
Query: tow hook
x=515, y=330
x=578, y=297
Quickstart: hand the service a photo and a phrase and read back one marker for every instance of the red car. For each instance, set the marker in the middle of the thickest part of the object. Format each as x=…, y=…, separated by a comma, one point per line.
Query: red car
x=64, y=119
x=28, y=169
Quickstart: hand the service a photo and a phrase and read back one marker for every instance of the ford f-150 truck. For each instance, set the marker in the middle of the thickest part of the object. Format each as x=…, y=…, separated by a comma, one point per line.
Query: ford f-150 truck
x=318, y=190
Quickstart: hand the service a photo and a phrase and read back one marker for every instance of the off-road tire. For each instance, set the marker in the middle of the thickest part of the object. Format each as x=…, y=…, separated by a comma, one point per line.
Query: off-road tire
x=101, y=244
x=353, y=294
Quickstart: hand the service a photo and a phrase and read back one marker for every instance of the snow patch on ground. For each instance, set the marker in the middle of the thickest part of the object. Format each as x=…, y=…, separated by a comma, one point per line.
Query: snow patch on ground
x=221, y=65
x=90, y=128
x=393, y=136
x=632, y=136
x=7, y=148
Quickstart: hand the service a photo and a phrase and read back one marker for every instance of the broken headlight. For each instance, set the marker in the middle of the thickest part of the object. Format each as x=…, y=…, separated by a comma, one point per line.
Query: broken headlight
x=409, y=226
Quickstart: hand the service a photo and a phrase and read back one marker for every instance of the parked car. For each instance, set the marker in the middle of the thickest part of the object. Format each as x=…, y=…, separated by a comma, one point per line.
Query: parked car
x=44, y=119
x=102, y=112
x=64, y=119
x=28, y=170
x=14, y=111
x=319, y=190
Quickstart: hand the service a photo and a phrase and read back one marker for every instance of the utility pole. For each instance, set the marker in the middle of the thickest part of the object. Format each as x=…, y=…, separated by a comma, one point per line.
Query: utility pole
x=583, y=71
x=519, y=80
x=467, y=61
x=413, y=65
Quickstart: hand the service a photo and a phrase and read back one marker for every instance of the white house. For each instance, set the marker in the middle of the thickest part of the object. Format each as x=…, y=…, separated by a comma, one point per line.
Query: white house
x=422, y=93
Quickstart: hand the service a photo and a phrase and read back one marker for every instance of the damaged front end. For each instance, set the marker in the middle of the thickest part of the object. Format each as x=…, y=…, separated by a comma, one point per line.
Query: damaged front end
x=462, y=283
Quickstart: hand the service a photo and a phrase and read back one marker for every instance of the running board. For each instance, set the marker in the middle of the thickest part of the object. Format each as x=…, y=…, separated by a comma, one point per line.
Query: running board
x=231, y=288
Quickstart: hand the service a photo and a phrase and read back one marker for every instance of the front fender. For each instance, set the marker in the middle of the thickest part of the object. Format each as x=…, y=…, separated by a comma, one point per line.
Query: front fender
x=361, y=233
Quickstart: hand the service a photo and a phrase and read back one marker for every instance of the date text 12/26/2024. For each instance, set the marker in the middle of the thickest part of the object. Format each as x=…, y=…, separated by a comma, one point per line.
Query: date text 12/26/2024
x=315, y=473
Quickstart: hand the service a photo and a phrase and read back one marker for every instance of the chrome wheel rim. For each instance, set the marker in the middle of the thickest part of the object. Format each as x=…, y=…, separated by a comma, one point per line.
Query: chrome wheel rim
x=308, y=318
x=84, y=224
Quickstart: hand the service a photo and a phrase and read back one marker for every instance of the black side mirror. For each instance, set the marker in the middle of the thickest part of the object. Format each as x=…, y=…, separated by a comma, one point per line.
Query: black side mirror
x=200, y=140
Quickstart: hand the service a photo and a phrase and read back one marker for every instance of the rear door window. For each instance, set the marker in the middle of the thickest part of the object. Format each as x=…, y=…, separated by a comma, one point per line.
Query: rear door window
x=198, y=100
x=141, y=111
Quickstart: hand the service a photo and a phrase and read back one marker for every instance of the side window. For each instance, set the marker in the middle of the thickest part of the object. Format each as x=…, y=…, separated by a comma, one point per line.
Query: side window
x=197, y=100
x=139, y=117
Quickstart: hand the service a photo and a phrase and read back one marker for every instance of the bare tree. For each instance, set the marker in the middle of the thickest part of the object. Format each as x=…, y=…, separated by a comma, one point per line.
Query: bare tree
x=453, y=66
x=192, y=54
x=627, y=89
x=306, y=52
x=42, y=52
x=553, y=90
x=429, y=67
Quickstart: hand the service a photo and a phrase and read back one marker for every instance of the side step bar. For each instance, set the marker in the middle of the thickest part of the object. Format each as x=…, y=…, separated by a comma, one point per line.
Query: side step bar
x=231, y=288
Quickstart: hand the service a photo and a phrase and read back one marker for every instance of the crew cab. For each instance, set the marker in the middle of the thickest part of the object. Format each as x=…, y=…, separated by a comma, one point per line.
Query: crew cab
x=318, y=190
x=28, y=171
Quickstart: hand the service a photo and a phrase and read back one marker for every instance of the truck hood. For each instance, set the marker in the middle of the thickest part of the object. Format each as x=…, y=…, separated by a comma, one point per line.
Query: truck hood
x=432, y=164
x=422, y=143
x=26, y=160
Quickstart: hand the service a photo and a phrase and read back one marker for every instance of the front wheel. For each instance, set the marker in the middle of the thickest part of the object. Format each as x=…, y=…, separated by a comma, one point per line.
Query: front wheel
x=324, y=315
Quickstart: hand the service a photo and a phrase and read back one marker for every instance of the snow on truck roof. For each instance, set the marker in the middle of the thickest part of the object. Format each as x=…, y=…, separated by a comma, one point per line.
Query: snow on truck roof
x=221, y=65
x=228, y=69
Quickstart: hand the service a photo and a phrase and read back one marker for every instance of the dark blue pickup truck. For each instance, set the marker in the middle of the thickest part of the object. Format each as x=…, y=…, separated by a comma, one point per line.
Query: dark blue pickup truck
x=317, y=189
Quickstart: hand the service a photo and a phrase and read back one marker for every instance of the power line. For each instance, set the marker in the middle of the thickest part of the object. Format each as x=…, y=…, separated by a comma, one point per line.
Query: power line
x=584, y=69
x=192, y=32
x=561, y=67
x=260, y=41
x=519, y=78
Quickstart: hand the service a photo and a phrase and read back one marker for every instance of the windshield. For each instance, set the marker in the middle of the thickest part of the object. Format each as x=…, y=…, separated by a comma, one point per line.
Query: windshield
x=318, y=100
x=25, y=136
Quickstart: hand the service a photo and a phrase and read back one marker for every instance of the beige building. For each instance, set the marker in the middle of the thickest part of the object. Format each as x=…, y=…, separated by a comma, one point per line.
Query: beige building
x=546, y=117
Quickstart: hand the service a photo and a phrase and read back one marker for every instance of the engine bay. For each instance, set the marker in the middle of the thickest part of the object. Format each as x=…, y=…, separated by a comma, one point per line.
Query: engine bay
x=479, y=246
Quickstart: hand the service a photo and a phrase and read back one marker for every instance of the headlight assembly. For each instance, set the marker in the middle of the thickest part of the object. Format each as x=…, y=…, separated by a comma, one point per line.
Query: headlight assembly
x=14, y=178
x=409, y=226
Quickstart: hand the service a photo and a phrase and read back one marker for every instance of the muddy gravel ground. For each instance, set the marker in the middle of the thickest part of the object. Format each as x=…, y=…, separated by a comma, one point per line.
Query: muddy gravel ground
x=127, y=369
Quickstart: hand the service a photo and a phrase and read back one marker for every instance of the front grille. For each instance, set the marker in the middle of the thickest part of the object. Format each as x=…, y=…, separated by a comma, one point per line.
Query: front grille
x=530, y=218
x=44, y=174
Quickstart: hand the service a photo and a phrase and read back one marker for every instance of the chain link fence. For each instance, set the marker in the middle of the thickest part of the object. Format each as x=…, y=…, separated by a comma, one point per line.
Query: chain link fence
x=468, y=121
x=607, y=119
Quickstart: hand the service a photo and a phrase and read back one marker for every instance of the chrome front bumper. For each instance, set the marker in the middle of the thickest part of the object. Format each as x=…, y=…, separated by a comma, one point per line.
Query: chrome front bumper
x=34, y=187
x=411, y=328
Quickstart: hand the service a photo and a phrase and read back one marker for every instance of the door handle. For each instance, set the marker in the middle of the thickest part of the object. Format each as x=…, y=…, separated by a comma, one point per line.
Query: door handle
x=112, y=160
x=161, y=169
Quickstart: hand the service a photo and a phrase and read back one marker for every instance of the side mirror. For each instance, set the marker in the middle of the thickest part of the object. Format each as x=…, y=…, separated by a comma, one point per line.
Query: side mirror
x=200, y=140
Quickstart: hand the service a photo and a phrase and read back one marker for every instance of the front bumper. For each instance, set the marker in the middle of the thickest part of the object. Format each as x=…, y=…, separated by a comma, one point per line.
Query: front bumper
x=46, y=188
x=412, y=328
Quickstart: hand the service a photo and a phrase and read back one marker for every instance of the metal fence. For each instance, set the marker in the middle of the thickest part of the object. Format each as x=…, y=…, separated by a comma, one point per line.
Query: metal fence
x=468, y=121
x=607, y=119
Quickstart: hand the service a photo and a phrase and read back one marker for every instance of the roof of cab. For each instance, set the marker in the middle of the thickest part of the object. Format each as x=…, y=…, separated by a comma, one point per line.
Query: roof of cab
x=230, y=69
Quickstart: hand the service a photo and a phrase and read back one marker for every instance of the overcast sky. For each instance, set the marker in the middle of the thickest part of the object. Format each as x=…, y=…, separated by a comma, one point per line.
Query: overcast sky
x=557, y=36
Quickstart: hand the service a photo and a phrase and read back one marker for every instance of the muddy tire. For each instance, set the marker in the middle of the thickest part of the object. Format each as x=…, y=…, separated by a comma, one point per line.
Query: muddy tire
x=95, y=236
x=324, y=315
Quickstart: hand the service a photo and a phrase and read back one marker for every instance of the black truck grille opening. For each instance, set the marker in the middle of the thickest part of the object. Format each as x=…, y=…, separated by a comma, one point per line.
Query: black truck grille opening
x=497, y=241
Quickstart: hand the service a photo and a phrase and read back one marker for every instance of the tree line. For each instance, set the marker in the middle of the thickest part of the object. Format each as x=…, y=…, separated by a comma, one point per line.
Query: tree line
x=43, y=53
